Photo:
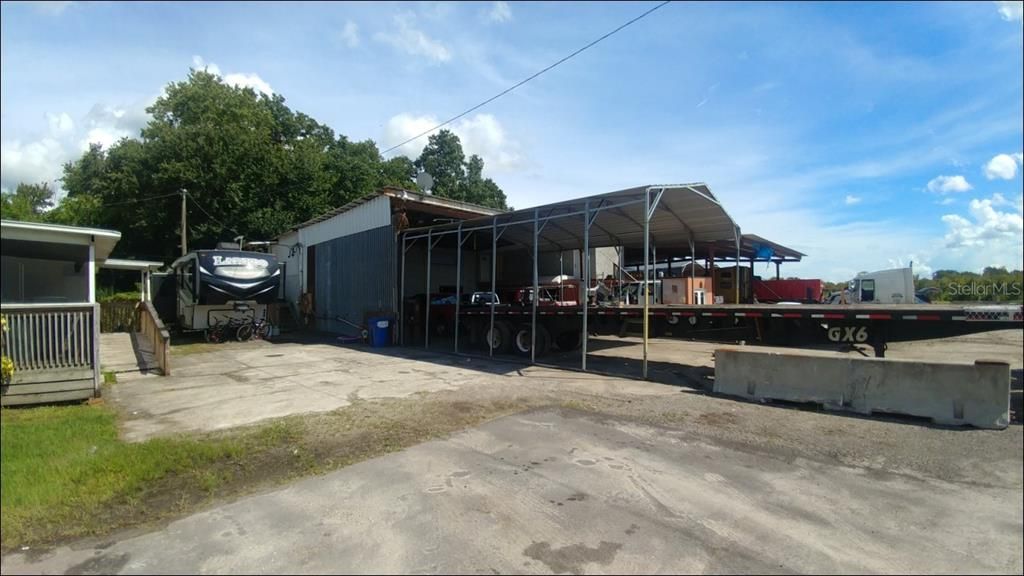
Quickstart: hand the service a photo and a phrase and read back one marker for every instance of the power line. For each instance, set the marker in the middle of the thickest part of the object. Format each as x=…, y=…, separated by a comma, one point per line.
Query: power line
x=208, y=215
x=520, y=83
x=137, y=200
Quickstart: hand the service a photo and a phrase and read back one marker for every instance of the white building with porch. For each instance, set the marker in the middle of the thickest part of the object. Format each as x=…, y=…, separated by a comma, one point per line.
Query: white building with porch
x=48, y=301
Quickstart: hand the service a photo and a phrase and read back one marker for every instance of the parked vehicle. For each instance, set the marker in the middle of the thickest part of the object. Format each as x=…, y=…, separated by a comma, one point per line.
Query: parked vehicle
x=894, y=286
x=215, y=286
x=777, y=324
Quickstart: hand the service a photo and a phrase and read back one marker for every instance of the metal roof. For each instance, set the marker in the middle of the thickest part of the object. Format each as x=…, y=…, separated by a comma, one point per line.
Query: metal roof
x=683, y=212
x=409, y=196
x=750, y=249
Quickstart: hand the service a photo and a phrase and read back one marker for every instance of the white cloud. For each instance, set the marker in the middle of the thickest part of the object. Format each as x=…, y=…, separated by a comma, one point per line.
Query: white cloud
x=60, y=123
x=239, y=79
x=249, y=80
x=31, y=162
x=999, y=200
x=414, y=42
x=350, y=34
x=851, y=200
x=990, y=237
x=1011, y=11
x=481, y=134
x=499, y=12
x=1001, y=166
x=918, y=263
x=947, y=184
x=199, y=64
x=64, y=139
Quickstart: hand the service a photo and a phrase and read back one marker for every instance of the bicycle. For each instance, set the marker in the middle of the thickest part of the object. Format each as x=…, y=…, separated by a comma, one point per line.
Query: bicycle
x=254, y=330
x=221, y=331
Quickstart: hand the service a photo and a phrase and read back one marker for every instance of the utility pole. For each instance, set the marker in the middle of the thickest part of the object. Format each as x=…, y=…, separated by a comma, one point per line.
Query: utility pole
x=184, y=227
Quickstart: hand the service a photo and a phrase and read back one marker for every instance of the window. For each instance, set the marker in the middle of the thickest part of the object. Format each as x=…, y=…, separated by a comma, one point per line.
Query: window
x=187, y=277
x=867, y=291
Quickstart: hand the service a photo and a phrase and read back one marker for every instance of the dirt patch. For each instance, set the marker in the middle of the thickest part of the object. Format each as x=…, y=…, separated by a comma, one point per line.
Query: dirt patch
x=718, y=418
x=572, y=558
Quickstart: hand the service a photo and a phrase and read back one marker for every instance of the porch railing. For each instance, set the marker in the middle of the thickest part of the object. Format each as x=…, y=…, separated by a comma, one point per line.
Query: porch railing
x=153, y=331
x=119, y=316
x=51, y=336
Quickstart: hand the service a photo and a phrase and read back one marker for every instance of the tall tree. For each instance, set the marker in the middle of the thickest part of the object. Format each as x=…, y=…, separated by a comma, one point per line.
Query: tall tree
x=443, y=159
x=28, y=202
x=456, y=177
x=251, y=166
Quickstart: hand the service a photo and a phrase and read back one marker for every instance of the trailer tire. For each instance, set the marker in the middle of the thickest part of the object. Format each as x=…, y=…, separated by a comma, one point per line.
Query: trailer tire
x=501, y=342
x=568, y=340
x=521, y=341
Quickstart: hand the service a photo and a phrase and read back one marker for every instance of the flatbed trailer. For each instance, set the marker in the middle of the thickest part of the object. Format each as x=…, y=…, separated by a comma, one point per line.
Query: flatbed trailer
x=775, y=324
x=648, y=226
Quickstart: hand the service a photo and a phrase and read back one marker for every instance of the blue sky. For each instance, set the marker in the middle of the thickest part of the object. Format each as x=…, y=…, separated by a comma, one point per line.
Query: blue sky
x=865, y=135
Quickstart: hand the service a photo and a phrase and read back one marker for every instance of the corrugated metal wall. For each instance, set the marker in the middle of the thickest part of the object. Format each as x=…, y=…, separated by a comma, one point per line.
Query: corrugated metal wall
x=355, y=274
x=373, y=214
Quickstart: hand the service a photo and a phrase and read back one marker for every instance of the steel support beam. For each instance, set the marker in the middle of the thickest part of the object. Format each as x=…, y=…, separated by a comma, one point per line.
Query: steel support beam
x=426, y=315
x=401, y=297
x=647, y=270
x=584, y=291
x=458, y=284
x=536, y=290
x=736, y=280
x=690, y=299
x=494, y=272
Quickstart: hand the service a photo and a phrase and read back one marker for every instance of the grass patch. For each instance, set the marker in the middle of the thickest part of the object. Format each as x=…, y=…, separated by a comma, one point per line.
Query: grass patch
x=61, y=464
x=109, y=377
x=66, y=474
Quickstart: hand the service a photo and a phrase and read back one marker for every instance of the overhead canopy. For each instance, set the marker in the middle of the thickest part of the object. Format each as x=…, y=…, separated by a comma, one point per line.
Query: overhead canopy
x=752, y=248
x=680, y=212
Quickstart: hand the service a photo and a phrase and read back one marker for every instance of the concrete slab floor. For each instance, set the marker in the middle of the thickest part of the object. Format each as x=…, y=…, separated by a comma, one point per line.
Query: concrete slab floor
x=554, y=491
x=235, y=384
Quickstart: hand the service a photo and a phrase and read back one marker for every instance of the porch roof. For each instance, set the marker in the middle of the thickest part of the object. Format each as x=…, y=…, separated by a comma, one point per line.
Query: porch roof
x=104, y=240
x=138, y=265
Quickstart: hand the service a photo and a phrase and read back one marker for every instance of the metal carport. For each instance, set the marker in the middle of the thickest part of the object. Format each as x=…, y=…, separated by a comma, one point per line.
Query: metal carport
x=641, y=217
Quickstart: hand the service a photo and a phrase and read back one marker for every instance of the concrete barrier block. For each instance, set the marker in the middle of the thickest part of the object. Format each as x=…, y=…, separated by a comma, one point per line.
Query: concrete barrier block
x=949, y=393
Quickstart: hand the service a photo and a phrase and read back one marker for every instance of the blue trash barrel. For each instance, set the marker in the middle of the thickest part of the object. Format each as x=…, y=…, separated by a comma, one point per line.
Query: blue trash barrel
x=380, y=331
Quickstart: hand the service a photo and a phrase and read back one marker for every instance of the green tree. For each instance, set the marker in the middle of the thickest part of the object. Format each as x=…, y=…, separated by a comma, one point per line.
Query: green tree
x=443, y=159
x=28, y=202
x=456, y=177
x=251, y=166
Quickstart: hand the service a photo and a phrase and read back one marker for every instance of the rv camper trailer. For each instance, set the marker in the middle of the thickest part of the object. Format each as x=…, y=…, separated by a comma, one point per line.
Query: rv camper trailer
x=214, y=286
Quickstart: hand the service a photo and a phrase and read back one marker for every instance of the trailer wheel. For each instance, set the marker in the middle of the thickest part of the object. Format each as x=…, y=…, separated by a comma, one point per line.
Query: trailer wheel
x=568, y=340
x=501, y=340
x=522, y=340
